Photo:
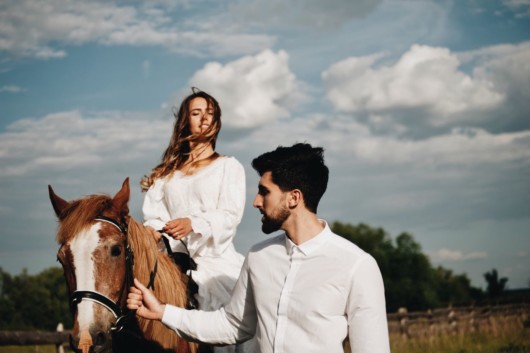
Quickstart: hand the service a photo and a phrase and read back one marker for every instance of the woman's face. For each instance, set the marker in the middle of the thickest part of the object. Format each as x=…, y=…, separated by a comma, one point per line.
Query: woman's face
x=201, y=115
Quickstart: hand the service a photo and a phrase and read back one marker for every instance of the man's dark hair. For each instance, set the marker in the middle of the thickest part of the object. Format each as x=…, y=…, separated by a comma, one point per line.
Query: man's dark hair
x=300, y=166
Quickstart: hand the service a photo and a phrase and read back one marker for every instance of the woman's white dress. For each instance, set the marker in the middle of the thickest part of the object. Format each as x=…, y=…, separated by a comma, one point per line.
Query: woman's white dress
x=214, y=199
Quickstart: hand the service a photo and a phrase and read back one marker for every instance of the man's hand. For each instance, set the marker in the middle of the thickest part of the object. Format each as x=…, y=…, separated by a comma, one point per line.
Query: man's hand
x=144, y=302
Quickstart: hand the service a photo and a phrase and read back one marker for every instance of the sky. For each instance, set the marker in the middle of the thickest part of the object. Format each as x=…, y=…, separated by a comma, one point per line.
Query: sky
x=422, y=108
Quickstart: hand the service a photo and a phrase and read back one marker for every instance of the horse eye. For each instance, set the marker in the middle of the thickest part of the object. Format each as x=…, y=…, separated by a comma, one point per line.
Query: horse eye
x=115, y=250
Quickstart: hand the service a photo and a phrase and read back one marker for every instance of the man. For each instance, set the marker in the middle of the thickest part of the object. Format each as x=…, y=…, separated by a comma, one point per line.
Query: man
x=302, y=291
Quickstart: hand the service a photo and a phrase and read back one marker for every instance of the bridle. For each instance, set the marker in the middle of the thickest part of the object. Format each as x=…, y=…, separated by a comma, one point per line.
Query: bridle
x=122, y=316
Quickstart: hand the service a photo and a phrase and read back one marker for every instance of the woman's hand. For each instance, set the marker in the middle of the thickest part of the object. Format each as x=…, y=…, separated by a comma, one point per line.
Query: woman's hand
x=178, y=228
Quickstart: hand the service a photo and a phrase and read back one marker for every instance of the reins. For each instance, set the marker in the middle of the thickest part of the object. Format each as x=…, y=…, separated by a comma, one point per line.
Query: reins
x=187, y=268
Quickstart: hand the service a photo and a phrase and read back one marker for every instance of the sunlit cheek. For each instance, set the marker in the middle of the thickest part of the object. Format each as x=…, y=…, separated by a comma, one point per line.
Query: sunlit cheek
x=114, y=269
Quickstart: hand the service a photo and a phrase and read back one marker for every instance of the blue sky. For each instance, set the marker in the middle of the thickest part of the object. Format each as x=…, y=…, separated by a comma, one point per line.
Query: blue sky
x=422, y=107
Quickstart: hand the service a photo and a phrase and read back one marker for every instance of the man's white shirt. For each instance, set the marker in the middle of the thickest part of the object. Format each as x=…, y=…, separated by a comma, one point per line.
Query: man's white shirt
x=305, y=298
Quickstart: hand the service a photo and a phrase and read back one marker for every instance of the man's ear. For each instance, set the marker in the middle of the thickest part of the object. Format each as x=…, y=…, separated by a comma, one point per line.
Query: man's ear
x=295, y=198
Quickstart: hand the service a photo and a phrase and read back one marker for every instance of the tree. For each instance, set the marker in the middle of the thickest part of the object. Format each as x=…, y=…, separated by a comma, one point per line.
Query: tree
x=410, y=279
x=34, y=302
x=7, y=308
x=496, y=285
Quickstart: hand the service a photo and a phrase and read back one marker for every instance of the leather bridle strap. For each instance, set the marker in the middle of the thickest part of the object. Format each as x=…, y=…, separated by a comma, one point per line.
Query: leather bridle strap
x=113, y=307
x=99, y=298
x=121, y=227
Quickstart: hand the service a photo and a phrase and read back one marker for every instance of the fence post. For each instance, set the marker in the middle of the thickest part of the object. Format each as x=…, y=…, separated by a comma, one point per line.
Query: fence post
x=59, y=346
x=453, y=324
x=403, y=323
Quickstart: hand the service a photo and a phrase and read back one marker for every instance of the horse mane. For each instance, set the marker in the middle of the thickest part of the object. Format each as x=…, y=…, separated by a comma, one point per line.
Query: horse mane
x=79, y=214
x=169, y=285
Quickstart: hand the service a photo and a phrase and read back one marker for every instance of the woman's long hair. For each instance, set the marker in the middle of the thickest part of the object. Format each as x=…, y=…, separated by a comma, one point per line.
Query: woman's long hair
x=179, y=148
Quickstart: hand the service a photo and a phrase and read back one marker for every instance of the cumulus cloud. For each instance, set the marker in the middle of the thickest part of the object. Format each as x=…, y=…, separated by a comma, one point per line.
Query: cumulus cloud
x=424, y=78
x=252, y=90
x=507, y=67
x=30, y=27
x=457, y=255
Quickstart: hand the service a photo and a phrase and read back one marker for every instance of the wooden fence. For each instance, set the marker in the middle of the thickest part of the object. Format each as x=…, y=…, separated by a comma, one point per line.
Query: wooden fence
x=461, y=320
x=401, y=325
x=36, y=338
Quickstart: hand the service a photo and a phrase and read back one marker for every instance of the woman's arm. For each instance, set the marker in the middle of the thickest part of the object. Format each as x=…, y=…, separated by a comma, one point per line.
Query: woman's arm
x=219, y=225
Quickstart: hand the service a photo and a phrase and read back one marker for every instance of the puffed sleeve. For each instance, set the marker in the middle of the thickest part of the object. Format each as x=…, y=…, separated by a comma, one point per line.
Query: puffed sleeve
x=366, y=310
x=154, y=207
x=218, y=226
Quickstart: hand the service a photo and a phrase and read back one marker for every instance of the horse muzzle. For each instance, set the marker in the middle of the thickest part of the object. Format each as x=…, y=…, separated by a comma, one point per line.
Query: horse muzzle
x=92, y=341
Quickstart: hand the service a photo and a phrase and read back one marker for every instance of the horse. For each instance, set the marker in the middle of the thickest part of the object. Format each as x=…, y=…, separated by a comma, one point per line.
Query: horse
x=101, y=249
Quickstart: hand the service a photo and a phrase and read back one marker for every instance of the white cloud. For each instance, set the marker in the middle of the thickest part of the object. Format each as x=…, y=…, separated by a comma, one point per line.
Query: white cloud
x=425, y=78
x=12, y=89
x=457, y=255
x=460, y=146
x=304, y=14
x=353, y=141
x=69, y=140
x=505, y=65
x=520, y=7
x=29, y=27
x=253, y=90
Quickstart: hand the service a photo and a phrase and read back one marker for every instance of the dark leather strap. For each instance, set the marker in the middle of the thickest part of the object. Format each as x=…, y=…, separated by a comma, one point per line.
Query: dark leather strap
x=79, y=295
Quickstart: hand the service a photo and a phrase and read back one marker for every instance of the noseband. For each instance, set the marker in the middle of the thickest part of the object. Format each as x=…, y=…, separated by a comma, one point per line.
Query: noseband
x=114, y=307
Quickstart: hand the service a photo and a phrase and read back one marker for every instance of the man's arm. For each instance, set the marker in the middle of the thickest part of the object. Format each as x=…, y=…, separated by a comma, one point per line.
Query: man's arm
x=368, y=329
x=234, y=324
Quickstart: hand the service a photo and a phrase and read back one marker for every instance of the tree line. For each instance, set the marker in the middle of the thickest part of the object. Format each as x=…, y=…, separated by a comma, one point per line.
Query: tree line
x=41, y=301
x=411, y=281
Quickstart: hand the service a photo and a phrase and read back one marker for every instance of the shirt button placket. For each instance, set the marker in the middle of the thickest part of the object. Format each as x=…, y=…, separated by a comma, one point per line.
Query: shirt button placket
x=283, y=305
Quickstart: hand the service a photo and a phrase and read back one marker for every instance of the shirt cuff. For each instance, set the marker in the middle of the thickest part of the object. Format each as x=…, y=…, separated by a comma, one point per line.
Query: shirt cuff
x=200, y=226
x=172, y=316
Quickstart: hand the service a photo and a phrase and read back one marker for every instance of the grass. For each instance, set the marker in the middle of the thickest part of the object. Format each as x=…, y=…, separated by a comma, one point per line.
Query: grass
x=28, y=349
x=504, y=339
x=517, y=341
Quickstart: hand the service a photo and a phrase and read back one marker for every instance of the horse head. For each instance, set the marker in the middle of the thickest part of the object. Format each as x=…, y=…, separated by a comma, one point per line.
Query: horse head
x=95, y=257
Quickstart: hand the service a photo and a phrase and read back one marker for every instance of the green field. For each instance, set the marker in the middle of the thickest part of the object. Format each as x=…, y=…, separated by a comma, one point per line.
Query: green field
x=517, y=341
x=508, y=341
x=28, y=349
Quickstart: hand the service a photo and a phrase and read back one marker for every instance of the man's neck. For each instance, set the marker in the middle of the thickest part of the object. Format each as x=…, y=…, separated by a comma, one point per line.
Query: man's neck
x=302, y=227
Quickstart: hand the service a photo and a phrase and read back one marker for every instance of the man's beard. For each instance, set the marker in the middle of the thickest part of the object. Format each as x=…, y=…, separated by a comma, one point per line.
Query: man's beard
x=274, y=222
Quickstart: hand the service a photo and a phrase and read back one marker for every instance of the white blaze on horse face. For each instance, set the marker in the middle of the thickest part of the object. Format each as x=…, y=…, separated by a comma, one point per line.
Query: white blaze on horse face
x=83, y=247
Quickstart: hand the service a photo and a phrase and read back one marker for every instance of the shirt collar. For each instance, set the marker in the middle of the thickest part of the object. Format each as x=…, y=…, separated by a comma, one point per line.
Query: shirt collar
x=312, y=244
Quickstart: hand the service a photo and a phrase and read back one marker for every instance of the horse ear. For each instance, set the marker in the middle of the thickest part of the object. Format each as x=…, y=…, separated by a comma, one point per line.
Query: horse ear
x=58, y=203
x=121, y=199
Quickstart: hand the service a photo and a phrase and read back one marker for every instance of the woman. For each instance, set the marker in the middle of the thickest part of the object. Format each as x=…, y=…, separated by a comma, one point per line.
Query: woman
x=197, y=197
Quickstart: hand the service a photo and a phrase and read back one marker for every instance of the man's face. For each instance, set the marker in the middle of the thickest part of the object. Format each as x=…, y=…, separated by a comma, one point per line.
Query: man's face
x=272, y=204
